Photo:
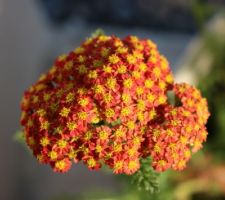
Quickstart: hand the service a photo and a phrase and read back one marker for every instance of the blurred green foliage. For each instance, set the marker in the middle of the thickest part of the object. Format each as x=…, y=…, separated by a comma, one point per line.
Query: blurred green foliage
x=213, y=88
x=146, y=179
x=201, y=11
x=19, y=137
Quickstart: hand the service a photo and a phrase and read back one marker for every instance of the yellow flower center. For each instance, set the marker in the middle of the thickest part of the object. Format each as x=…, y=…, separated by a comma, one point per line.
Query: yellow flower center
x=109, y=113
x=60, y=165
x=122, y=69
x=114, y=59
x=64, y=112
x=128, y=83
x=44, y=141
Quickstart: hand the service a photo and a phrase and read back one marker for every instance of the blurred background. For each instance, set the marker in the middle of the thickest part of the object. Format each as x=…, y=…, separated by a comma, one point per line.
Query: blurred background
x=191, y=34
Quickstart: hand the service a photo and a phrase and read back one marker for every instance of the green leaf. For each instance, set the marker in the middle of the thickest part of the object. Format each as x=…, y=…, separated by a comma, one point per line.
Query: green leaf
x=146, y=178
x=19, y=137
x=97, y=33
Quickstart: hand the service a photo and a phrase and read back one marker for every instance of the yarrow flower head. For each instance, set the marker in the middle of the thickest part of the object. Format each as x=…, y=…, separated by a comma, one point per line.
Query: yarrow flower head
x=107, y=102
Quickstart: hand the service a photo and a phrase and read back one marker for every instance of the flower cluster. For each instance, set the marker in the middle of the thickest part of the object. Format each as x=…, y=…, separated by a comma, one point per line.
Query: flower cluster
x=107, y=102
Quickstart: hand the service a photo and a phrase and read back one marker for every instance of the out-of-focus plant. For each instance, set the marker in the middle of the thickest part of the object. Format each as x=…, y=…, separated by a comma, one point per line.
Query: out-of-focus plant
x=201, y=11
x=19, y=137
x=213, y=87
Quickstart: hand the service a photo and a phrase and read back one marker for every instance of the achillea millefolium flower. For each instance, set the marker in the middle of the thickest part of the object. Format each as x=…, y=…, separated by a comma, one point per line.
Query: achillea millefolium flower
x=107, y=102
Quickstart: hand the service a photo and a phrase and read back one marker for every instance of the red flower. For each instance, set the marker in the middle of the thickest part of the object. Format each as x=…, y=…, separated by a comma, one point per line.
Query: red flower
x=106, y=102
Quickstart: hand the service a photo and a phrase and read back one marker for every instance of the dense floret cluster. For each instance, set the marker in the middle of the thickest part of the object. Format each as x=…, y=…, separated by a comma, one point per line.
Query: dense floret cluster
x=107, y=102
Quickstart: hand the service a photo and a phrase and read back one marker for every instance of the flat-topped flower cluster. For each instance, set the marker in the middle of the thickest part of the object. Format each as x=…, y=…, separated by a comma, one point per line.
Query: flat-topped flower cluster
x=107, y=103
